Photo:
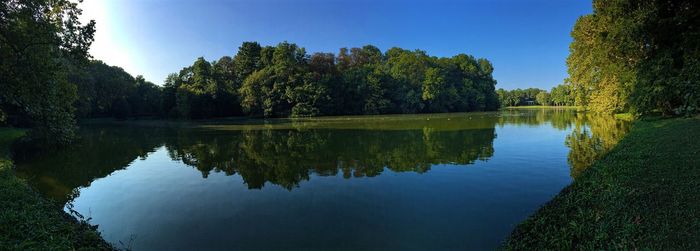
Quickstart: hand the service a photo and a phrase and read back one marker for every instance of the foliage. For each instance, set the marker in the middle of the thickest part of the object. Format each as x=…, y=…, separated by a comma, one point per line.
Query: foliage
x=543, y=98
x=101, y=87
x=621, y=203
x=285, y=81
x=41, y=41
x=519, y=97
x=559, y=95
x=637, y=56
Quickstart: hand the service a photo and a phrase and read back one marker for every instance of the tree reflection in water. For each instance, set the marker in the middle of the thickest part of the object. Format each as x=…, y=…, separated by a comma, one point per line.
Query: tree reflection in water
x=591, y=138
x=287, y=157
x=288, y=152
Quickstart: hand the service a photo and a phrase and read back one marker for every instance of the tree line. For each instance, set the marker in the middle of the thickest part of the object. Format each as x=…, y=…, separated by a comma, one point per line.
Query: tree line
x=560, y=95
x=47, y=79
x=284, y=81
x=638, y=56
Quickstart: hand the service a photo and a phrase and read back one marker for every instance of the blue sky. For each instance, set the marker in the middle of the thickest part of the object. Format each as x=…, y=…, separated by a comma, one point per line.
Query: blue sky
x=527, y=41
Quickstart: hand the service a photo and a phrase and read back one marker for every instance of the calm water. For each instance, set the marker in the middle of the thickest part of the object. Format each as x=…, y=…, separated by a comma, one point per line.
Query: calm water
x=414, y=182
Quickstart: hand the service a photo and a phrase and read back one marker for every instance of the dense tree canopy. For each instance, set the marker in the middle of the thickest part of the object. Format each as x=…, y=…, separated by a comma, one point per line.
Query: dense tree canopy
x=559, y=95
x=640, y=56
x=109, y=91
x=284, y=80
x=519, y=97
x=41, y=42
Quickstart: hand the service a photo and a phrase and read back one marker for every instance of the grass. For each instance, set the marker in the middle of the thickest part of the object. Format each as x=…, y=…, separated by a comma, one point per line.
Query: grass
x=30, y=222
x=644, y=194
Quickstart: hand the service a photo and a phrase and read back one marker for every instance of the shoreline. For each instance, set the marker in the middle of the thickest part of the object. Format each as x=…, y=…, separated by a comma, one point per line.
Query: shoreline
x=618, y=202
x=31, y=222
x=643, y=194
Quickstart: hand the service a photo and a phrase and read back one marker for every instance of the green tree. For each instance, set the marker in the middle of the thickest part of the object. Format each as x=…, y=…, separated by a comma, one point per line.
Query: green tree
x=170, y=86
x=255, y=92
x=315, y=97
x=227, y=85
x=543, y=98
x=435, y=90
x=637, y=56
x=247, y=60
x=407, y=68
x=147, y=98
x=196, y=94
x=41, y=42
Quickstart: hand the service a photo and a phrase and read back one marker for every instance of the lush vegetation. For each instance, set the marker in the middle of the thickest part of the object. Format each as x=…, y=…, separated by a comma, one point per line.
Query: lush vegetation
x=628, y=56
x=30, y=222
x=637, y=56
x=633, y=56
x=638, y=196
x=47, y=79
x=41, y=42
x=518, y=97
x=283, y=80
x=559, y=95
x=109, y=91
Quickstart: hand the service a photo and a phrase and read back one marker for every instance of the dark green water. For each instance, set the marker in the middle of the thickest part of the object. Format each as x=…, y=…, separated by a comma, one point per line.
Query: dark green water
x=408, y=182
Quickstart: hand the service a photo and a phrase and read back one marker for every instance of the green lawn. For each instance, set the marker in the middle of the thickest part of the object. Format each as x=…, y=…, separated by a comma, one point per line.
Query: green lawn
x=30, y=222
x=644, y=194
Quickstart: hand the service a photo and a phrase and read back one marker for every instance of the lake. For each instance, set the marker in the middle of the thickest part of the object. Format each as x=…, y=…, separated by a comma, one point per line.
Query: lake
x=408, y=182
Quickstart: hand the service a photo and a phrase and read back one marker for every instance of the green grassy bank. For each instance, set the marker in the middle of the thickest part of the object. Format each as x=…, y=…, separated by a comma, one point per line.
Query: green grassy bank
x=30, y=222
x=644, y=194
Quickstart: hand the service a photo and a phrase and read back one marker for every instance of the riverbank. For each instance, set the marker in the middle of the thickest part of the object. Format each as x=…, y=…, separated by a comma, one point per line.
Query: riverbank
x=644, y=194
x=30, y=222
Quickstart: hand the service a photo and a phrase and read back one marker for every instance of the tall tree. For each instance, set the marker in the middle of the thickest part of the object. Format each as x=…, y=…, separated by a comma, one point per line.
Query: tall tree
x=227, y=85
x=41, y=42
x=637, y=56
x=196, y=94
x=247, y=60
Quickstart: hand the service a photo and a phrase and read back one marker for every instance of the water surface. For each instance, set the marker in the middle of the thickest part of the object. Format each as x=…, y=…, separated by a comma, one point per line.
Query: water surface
x=410, y=182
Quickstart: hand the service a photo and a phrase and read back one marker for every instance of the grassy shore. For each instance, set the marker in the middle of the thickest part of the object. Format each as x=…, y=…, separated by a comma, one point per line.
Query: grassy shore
x=644, y=194
x=30, y=222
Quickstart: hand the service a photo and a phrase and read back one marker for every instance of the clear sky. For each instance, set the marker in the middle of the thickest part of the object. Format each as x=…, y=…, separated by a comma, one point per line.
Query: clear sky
x=526, y=40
